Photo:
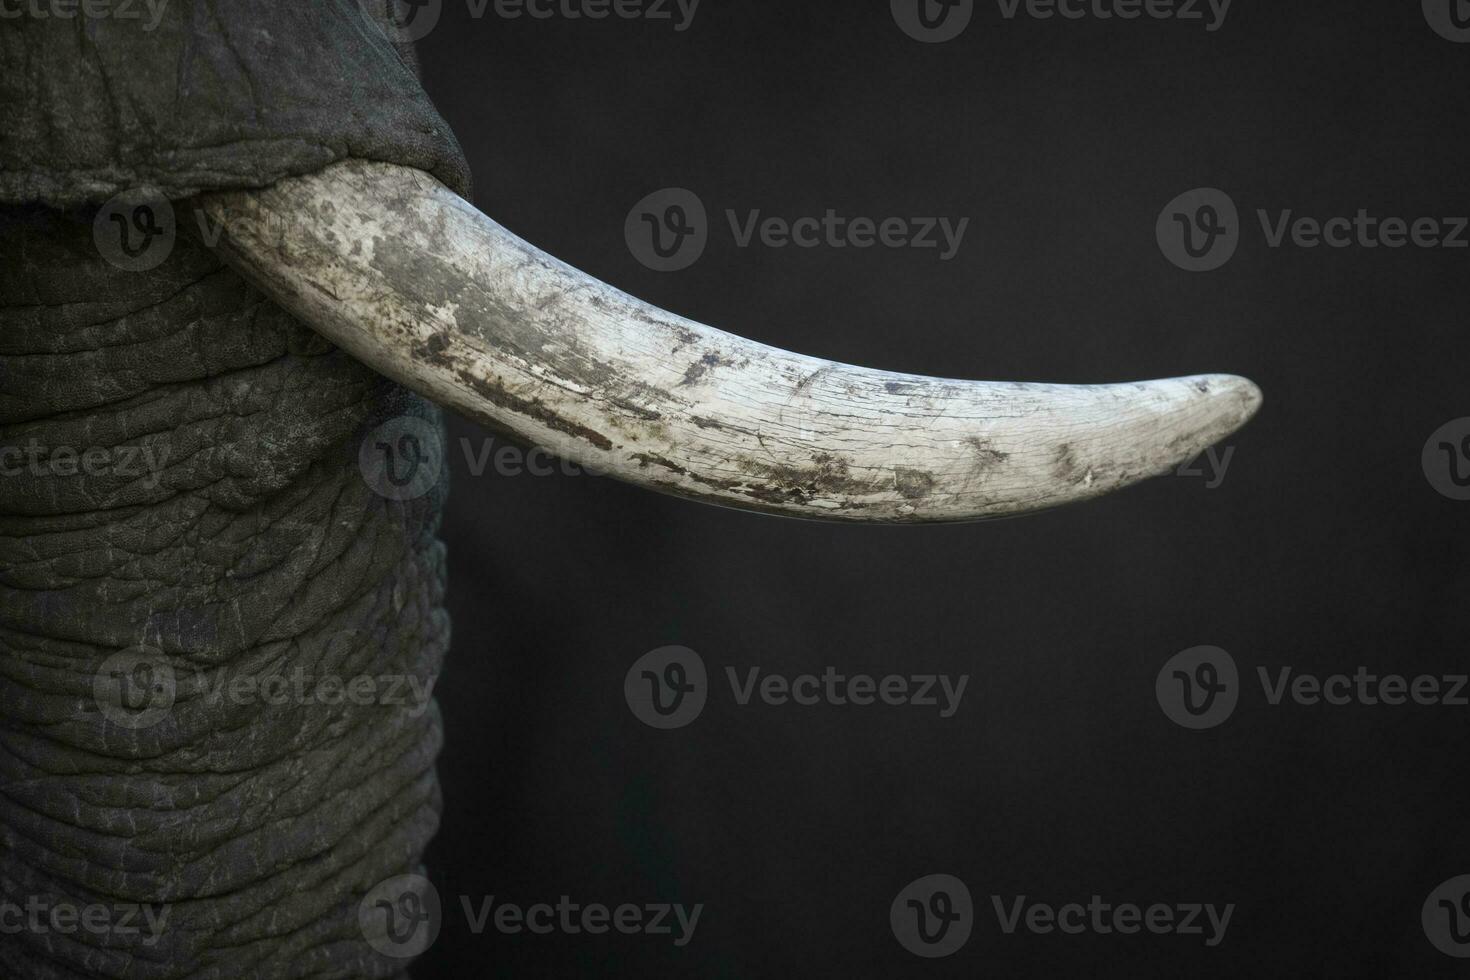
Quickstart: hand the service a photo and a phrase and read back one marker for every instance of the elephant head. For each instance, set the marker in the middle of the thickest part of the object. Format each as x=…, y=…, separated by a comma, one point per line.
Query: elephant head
x=184, y=519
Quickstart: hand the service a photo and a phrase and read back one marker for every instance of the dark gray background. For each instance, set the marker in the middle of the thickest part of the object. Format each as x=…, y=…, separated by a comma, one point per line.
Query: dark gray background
x=1325, y=547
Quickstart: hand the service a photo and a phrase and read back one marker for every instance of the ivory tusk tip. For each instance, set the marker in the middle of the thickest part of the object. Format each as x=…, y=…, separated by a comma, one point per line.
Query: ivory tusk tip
x=1237, y=399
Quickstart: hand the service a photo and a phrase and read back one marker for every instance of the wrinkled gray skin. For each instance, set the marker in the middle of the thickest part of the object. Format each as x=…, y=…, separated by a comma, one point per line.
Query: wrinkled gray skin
x=257, y=547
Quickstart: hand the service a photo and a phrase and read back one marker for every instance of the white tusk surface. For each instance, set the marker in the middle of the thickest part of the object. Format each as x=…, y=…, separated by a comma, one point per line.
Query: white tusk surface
x=410, y=278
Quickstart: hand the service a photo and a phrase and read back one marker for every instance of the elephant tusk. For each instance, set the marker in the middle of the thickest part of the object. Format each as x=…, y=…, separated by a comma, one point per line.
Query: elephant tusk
x=391, y=265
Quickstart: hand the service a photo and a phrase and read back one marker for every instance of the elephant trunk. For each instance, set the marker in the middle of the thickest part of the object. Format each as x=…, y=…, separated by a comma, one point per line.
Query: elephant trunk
x=217, y=639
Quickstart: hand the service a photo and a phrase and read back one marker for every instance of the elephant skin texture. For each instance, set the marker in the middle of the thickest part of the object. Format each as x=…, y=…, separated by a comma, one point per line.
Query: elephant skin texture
x=218, y=640
x=180, y=476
